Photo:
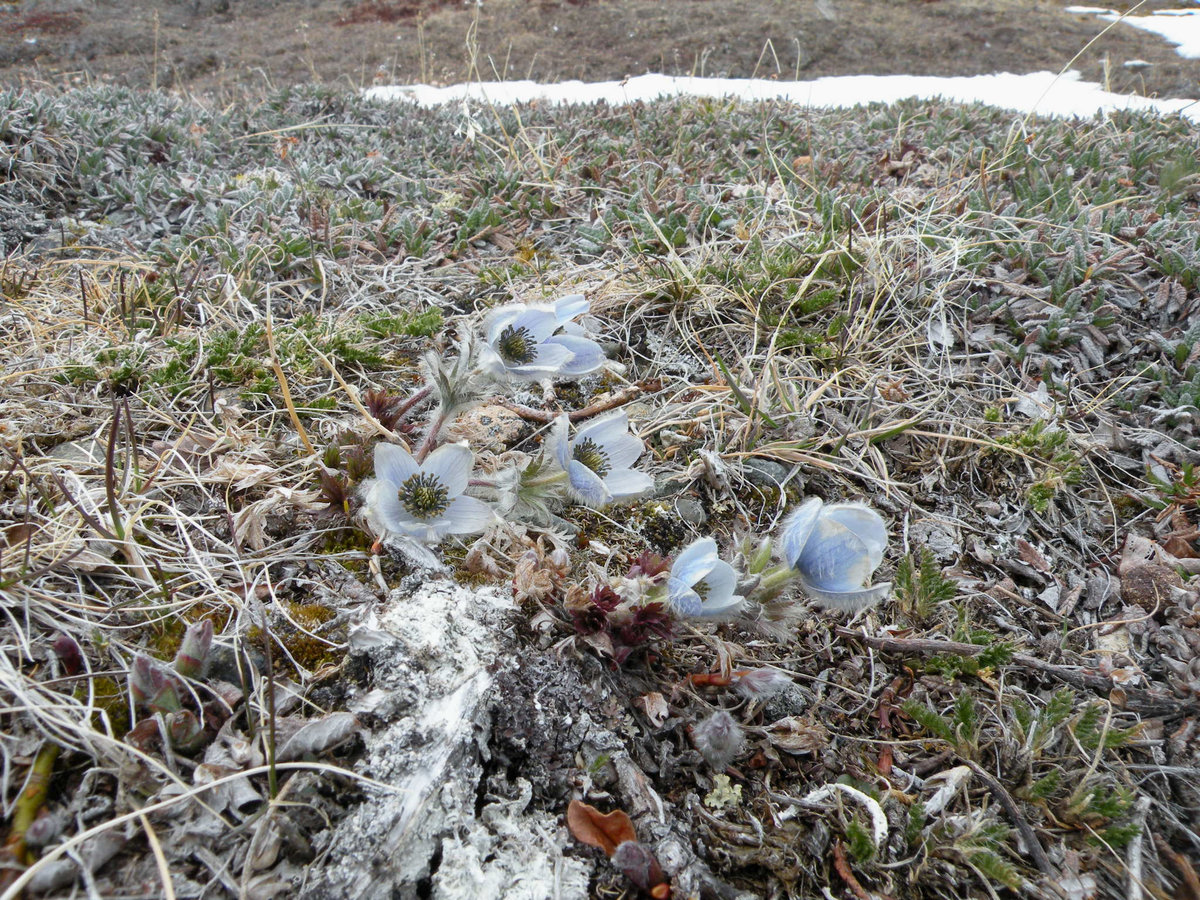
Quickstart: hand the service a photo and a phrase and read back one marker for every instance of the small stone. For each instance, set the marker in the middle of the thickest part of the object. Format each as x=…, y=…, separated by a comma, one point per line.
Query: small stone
x=764, y=472
x=690, y=510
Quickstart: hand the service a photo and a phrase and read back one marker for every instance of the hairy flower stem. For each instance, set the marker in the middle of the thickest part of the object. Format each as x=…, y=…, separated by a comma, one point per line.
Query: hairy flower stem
x=430, y=441
x=545, y=417
x=413, y=401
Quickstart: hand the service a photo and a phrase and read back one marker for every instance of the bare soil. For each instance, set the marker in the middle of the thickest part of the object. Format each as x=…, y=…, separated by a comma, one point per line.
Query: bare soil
x=214, y=46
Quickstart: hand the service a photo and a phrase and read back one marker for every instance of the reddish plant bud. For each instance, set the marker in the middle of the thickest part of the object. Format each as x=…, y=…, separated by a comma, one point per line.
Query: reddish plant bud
x=152, y=686
x=638, y=865
x=69, y=654
x=185, y=731
x=193, y=651
x=649, y=564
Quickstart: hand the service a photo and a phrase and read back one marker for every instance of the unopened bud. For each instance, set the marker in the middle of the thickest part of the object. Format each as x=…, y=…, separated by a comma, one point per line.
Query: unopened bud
x=185, y=731
x=152, y=686
x=561, y=560
x=759, y=684
x=718, y=738
x=639, y=865
x=193, y=651
x=760, y=558
x=69, y=654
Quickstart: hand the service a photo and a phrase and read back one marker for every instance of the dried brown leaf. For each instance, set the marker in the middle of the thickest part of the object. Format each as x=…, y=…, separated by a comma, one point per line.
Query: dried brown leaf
x=604, y=830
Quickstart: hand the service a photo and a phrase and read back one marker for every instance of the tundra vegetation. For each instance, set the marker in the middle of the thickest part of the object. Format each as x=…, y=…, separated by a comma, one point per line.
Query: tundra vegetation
x=984, y=329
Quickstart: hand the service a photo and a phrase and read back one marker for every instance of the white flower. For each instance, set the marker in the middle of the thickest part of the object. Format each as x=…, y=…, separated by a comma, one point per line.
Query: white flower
x=521, y=341
x=700, y=583
x=598, y=460
x=425, y=501
x=835, y=549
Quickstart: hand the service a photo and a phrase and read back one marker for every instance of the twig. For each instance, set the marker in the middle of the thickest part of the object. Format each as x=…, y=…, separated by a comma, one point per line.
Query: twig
x=160, y=859
x=1147, y=702
x=545, y=417
x=1186, y=870
x=842, y=865
x=283, y=382
x=1014, y=812
x=1133, y=865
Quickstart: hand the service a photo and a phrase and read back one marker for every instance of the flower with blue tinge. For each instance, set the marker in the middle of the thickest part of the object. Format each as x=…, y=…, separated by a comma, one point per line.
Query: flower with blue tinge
x=528, y=342
x=835, y=548
x=425, y=501
x=597, y=461
x=702, y=584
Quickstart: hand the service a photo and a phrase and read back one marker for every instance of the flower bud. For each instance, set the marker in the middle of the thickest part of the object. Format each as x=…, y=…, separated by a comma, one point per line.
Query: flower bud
x=151, y=686
x=69, y=654
x=193, y=651
x=639, y=865
x=718, y=738
x=759, y=684
x=560, y=560
x=185, y=731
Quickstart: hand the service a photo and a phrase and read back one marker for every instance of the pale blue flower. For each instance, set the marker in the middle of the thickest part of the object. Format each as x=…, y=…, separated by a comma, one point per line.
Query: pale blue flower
x=702, y=584
x=425, y=501
x=528, y=342
x=598, y=460
x=835, y=549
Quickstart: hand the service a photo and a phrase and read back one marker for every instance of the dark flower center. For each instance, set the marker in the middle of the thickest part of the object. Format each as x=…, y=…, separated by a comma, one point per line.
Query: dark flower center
x=589, y=453
x=424, y=496
x=516, y=346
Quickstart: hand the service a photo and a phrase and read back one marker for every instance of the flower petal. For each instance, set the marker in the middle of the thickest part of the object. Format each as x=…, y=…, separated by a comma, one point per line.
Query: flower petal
x=847, y=601
x=560, y=445
x=500, y=318
x=548, y=359
x=685, y=601
x=588, y=485
x=394, y=464
x=797, y=527
x=467, y=515
x=624, y=484
x=568, y=307
x=865, y=523
x=835, y=559
x=603, y=430
x=539, y=321
x=451, y=463
x=623, y=451
x=695, y=561
x=586, y=355
x=720, y=599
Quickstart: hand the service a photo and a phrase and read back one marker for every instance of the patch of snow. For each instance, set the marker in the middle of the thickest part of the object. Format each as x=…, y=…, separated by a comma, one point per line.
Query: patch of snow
x=1179, y=26
x=1044, y=93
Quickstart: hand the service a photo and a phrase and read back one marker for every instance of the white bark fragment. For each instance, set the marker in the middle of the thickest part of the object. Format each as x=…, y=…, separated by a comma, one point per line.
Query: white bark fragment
x=431, y=651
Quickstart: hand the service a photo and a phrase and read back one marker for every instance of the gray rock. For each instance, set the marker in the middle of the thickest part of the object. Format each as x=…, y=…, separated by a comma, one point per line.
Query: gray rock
x=690, y=510
x=764, y=472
